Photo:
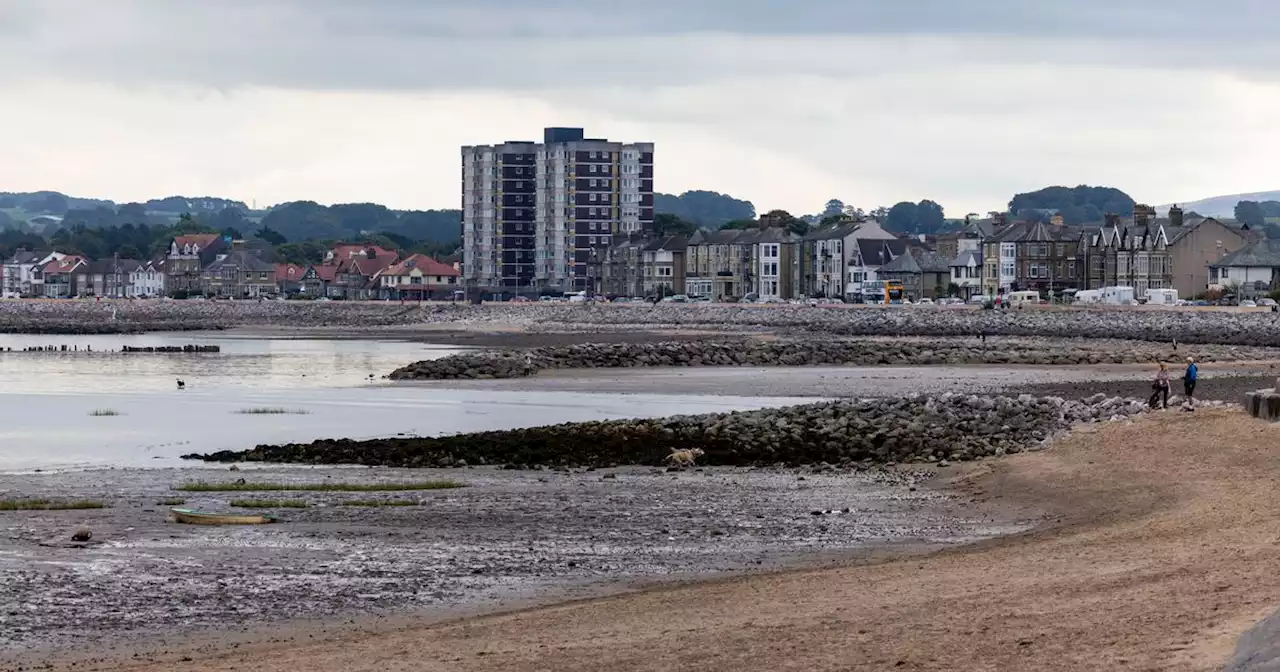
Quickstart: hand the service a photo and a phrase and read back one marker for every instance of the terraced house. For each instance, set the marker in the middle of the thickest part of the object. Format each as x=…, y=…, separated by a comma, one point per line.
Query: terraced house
x=735, y=262
x=1133, y=253
x=188, y=256
x=1031, y=256
x=239, y=274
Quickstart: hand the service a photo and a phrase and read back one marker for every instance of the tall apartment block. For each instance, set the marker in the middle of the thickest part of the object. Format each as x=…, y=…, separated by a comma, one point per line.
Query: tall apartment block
x=539, y=216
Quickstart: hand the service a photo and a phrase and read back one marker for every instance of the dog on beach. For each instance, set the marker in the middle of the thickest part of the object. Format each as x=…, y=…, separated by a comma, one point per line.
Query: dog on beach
x=683, y=458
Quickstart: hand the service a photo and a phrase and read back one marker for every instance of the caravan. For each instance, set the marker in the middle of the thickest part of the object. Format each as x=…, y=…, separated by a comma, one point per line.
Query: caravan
x=1118, y=296
x=1162, y=297
x=1088, y=296
x=1019, y=298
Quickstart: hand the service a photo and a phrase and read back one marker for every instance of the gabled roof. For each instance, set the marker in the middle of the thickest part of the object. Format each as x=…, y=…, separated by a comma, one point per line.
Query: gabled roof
x=344, y=251
x=64, y=265
x=917, y=260
x=1036, y=232
x=243, y=260
x=104, y=266
x=289, y=272
x=423, y=263
x=1263, y=254
x=832, y=232
x=368, y=266
x=326, y=272
x=968, y=258
x=25, y=257
x=903, y=263
x=200, y=240
x=669, y=243
x=876, y=252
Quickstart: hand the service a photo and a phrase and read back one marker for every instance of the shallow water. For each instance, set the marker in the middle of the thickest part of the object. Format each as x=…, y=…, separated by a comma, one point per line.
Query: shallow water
x=46, y=399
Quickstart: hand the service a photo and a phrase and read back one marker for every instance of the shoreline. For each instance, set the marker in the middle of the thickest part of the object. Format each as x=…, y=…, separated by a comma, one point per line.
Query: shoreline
x=1102, y=583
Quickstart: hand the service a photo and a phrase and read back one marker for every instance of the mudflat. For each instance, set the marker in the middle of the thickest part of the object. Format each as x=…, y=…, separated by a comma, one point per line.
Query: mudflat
x=1162, y=551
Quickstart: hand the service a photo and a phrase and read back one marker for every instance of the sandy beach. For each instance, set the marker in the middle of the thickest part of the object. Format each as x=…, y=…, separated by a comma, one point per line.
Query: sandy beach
x=1157, y=553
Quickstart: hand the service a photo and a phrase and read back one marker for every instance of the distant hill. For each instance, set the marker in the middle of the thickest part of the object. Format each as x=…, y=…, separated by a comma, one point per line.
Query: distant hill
x=1221, y=206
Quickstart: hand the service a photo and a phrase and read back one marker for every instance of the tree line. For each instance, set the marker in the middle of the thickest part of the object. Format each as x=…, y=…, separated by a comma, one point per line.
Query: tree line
x=102, y=236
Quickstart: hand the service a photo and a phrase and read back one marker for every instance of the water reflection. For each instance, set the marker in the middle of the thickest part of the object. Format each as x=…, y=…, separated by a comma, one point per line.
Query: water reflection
x=46, y=400
x=97, y=365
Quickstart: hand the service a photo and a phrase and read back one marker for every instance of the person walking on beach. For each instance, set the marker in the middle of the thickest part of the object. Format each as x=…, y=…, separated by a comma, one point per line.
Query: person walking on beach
x=1189, y=383
x=1160, y=387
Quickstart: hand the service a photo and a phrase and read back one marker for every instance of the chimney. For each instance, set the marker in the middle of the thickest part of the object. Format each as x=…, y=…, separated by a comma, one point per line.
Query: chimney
x=1056, y=220
x=1143, y=215
x=1000, y=219
x=1175, y=216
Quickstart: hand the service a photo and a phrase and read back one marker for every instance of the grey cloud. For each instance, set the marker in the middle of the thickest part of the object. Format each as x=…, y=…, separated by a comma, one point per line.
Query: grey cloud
x=549, y=44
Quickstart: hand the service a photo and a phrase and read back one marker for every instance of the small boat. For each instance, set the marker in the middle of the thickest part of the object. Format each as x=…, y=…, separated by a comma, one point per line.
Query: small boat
x=191, y=517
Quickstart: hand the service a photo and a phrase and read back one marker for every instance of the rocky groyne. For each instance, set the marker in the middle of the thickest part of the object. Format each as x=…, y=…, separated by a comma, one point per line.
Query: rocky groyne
x=814, y=352
x=840, y=433
x=185, y=349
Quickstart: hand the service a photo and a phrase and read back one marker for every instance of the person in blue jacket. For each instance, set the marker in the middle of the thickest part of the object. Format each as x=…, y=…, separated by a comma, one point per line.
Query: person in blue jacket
x=1189, y=383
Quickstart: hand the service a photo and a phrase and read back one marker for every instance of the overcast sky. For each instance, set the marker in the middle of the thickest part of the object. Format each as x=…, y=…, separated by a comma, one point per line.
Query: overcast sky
x=786, y=103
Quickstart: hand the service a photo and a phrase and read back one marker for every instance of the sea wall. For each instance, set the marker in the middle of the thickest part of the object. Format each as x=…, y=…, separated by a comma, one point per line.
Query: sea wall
x=843, y=433
x=816, y=351
x=1162, y=325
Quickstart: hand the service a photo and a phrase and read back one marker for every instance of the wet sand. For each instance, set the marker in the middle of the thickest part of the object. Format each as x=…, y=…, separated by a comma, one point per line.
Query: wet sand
x=1226, y=382
x=509, y=538
x=1162, y=551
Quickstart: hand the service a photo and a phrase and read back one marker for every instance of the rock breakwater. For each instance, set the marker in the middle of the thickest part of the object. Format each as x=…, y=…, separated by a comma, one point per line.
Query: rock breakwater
x=812, y=352
x=840, y=433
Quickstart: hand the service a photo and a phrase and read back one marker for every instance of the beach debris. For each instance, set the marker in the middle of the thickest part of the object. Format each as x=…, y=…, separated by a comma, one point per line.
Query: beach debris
x=82, y=534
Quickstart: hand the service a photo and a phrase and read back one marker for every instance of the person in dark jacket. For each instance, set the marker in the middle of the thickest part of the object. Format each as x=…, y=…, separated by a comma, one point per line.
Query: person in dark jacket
x=1189, y=383
x=1160, y=387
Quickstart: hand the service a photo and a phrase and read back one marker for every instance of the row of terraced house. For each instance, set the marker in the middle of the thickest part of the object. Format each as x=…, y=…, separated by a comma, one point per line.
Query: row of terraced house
x=984, y=257
x=214, y=266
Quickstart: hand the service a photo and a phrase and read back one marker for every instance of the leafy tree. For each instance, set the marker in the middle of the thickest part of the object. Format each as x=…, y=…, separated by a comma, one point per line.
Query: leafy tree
x=706, y=209
x=880, y=214
x=902, y=217
x=1077, y=205
x=929, y=217
x=304, y=253
x=665, y=224
x=834, y=206
x=1250, y=212
x=271, y=236
x=127, y=251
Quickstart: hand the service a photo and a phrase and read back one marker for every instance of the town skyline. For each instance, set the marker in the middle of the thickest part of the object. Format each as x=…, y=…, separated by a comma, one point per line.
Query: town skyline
x=858, y=100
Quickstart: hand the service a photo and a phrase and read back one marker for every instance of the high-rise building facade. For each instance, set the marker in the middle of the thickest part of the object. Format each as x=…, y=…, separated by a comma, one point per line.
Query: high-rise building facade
x=539, y=216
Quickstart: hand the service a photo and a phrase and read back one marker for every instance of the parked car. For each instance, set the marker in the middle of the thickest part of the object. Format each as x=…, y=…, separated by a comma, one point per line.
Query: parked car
x=1268, y=302
x=521, y=299
x=1248, y=303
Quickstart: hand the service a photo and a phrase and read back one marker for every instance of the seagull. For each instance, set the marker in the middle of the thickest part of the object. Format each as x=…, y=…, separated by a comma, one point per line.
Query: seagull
x=181, y=385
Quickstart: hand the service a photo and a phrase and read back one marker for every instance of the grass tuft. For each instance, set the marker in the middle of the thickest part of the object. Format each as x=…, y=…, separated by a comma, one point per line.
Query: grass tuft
x=381, y=502
x=172, y=501
x=269, y=503
x=205, y=486
x=273, y=411
x=48, y=505
x=104, y=413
